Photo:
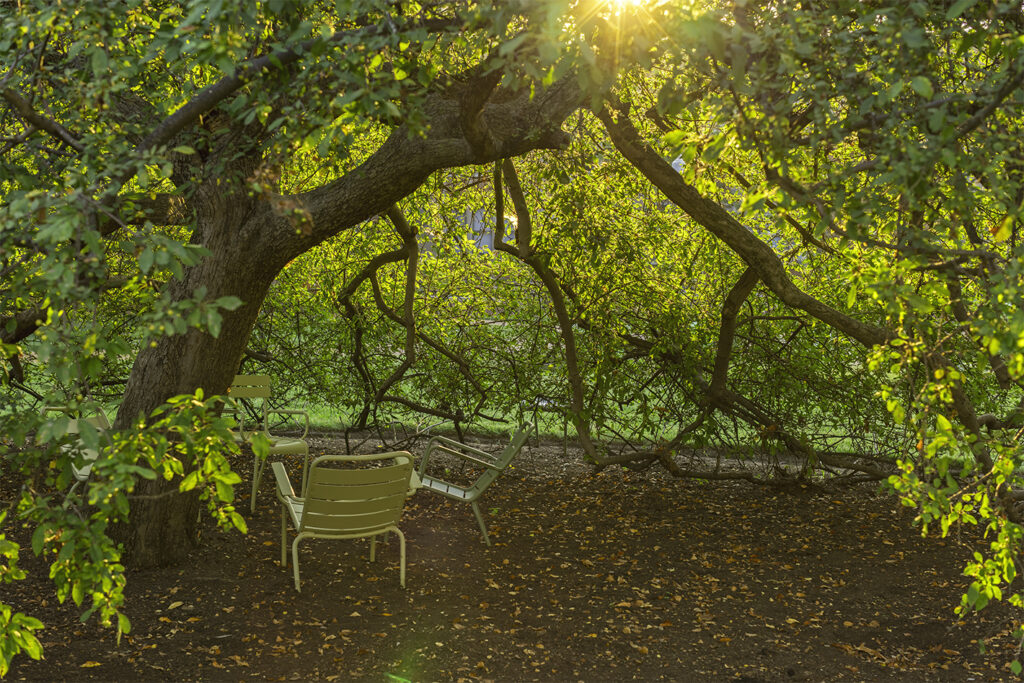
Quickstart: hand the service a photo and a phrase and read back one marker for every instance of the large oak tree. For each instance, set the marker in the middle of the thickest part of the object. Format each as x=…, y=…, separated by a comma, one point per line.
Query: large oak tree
x=830, y=265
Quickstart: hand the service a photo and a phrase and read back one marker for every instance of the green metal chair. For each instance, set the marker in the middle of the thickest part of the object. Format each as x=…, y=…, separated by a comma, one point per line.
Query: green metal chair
x=258, y=387
x=80, y=468
x=492, y=464
x=347, y=496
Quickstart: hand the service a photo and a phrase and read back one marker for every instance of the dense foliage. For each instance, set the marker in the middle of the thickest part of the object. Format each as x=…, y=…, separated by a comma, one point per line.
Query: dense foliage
x=785, y=232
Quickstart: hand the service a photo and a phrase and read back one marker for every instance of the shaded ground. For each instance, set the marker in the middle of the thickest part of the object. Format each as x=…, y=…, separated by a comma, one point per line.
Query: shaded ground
x=614, y=576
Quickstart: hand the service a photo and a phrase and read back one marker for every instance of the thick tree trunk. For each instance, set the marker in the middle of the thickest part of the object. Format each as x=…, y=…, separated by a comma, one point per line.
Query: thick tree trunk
x=163, y=523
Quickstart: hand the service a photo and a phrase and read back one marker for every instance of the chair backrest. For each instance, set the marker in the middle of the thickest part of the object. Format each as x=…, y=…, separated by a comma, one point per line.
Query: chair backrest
x=360, y=498
x=505, y=457
x=99, y=420
x=250, y=387
x=82, y=469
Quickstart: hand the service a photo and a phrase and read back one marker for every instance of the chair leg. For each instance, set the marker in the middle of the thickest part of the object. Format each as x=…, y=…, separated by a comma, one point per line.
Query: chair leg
x=284, y=537
x=373, y=548
x=401, y=555
x=305, y=472
x=480, y=521
x=258, y=465
x=295, y=561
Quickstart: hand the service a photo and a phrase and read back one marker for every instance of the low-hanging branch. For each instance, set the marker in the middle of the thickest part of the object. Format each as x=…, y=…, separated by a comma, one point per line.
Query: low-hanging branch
x=719, y=222
x=716, y=395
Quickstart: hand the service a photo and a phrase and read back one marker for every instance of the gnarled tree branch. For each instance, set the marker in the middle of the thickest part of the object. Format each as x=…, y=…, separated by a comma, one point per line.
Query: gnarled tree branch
x=755, y=253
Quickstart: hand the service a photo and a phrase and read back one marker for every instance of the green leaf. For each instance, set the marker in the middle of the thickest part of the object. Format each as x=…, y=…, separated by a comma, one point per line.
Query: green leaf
x=674, y=138
x=1005, y=229
x=123, y=625
x=190, y=481
x=893, y=91
x=146, y=260
x=30, y=644
x=224, y=492
x=144, y=472
x=228, y=477
x=28, y=622
x=213, y=324
x=98, y=60
x=239, y=522
x=228, y=303
x=959, y=7
x=38, y=537
x=922, y=86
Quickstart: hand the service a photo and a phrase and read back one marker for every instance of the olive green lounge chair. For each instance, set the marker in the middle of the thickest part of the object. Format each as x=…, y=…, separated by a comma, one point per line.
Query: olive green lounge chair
x=347, y=496
x=492, y=466
x=257, y=387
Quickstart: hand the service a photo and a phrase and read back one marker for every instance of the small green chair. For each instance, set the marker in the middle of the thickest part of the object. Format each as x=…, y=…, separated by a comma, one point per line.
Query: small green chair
x=347, y=496
x=258, y=387
x=493, y=465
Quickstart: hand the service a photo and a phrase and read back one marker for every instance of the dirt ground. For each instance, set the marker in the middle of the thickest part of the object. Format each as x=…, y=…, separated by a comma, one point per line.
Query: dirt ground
x=593, y=577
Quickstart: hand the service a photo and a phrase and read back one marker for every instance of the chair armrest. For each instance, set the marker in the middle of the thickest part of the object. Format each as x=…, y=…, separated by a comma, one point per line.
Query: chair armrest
x=414, y=484
x=282, y=411
x=238, y=432
x=460, y=450
x=284, y=485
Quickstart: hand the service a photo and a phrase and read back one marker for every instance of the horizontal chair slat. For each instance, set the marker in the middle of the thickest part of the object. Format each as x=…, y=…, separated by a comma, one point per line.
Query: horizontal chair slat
x=349, y=534
x=252, y=380
x=444, y=488
x=319, y=490
x=355, y=507
x=312, y=521
x=249, y=392
x=353, y=477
